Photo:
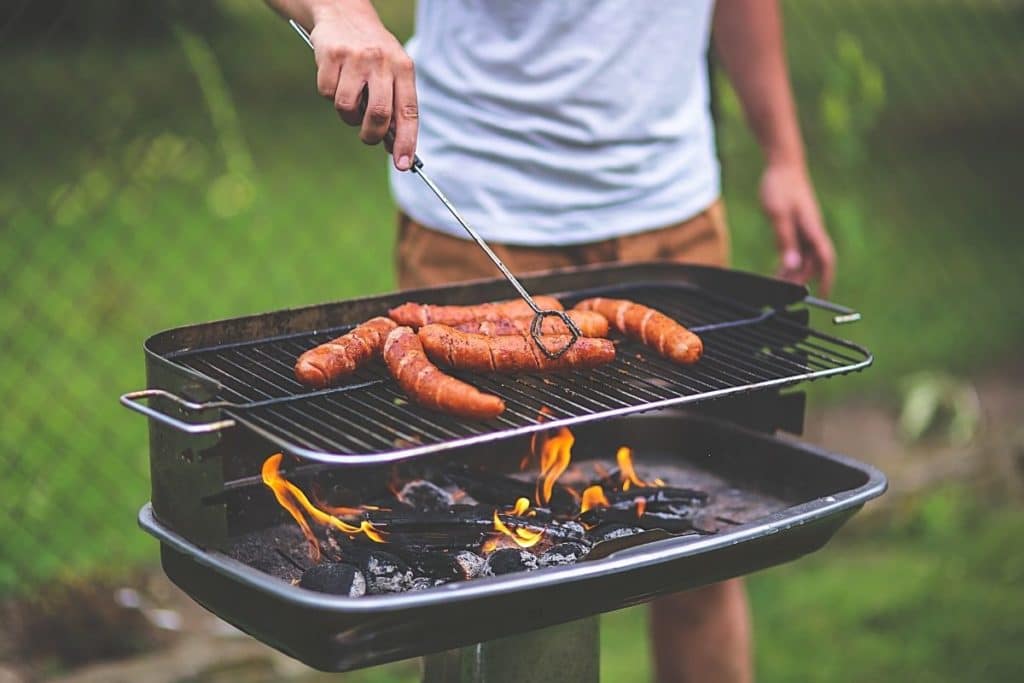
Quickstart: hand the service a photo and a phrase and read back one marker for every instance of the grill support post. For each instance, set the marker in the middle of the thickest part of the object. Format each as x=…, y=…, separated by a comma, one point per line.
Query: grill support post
x=567, y=653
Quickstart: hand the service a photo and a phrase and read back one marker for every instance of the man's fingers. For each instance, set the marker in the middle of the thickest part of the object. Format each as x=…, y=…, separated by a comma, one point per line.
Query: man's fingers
x=377, y=118
x=328, y=69
x=349, y=98
x=405, y=117
x=820, y=246
x=788, y=243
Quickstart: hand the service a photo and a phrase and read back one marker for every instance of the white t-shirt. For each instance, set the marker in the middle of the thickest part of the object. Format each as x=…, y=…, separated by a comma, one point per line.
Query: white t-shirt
x=555, y=122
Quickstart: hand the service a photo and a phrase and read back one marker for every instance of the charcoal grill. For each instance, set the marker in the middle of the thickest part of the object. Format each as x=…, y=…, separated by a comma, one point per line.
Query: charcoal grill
x=223, y=398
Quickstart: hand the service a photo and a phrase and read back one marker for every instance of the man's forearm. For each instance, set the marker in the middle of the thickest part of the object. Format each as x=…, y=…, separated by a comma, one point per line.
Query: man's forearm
x=749, y=41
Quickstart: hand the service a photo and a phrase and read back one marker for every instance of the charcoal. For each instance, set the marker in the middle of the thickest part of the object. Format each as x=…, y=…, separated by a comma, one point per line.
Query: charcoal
x=336, y=578
x=423, y=582
x=658, y=495
x=384, y=572
x=498, y=489
x=649, y=520
x=470, y=564
x=569, y=552
x=509, y=560
x=573, y=530
x=425, y=496
x=431, y=564
x=609, y=531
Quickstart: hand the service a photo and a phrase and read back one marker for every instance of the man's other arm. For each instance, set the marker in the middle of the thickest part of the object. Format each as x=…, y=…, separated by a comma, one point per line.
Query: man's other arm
x=749, y=41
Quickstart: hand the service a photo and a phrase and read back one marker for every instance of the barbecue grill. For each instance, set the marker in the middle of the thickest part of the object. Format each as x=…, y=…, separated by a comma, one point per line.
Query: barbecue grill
x=223, y=398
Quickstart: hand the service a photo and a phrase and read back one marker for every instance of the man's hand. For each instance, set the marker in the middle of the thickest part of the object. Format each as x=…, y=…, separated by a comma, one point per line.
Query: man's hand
x=805, y=249
x=365, y=71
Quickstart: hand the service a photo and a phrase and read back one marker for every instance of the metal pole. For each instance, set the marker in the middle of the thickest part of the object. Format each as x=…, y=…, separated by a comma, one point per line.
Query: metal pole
x=568, y=653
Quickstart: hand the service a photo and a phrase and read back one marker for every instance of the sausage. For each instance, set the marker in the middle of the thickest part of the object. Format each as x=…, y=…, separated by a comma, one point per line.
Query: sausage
x=591, y=325
x=476, y=352
x=329, y=362
x=417, y=315
x=655, y=329
x=425, y=384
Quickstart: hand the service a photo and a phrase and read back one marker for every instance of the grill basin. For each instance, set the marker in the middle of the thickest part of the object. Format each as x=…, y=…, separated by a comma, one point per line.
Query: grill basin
x=817, y=492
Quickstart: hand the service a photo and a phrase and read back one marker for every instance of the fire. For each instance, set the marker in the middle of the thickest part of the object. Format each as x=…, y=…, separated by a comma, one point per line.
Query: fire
x=641, y=506
x=554, y=459
x=624, y=456
x=536, y=440
x=521, y=506
x=524, y=538
x=295, y=502
x=593, y=497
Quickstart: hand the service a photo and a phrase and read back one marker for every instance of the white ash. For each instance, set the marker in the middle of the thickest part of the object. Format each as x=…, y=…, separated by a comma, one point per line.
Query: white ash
x=425, y=496
x=612, y=531
x=575, y=528
x=470, y=564
x=385, y=573
x=569, y=552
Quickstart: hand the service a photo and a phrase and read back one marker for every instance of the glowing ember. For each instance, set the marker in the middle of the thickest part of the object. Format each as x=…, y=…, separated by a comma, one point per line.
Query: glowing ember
x=593, y=497
x=629, y=478
x=555, y=456
x=295, y=502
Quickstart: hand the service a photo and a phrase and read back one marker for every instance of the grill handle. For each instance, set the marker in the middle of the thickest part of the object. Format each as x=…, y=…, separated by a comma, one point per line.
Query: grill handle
x=132, y=399
x=846, y=315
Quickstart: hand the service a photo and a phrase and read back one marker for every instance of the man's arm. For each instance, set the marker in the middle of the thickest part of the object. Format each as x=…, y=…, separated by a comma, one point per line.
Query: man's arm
x=748, y=38
x=357, y=55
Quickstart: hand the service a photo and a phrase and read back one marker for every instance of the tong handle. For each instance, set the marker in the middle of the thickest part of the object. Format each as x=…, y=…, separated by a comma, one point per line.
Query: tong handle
x=846, y=314
x=132, y=399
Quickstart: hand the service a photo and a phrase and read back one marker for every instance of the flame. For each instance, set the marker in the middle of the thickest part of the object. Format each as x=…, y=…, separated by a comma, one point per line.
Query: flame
x=593, y=497
x=624, y=456
x=521, y=506
x=554, y=459
x=524, y=538
x=295, y=501
x=641, y=506
x=537, y=439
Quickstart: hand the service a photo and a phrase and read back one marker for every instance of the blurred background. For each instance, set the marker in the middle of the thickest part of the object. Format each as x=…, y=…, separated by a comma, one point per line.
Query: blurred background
x=170, y=163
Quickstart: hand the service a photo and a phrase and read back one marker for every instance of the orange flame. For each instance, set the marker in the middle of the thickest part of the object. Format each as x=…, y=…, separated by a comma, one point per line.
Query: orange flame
x=629, y=477
x=295, y=501
x=593, y=497
x=521, y=506
x=524, y=538
x=537, y=439
x=554, y=459
x=641, y=506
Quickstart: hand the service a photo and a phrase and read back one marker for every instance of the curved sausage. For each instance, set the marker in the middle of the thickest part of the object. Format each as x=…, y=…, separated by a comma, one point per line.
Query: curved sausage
x=465, y=351
x=417, y=315
x=329, y=362
x=425, y=384
x=591, y=324
x=655, y=329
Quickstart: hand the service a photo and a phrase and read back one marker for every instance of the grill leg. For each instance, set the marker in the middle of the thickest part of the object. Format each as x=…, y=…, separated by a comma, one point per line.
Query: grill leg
x=568, y=653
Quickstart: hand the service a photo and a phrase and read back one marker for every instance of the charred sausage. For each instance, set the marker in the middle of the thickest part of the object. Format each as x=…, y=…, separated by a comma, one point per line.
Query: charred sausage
x=655, y=329
x=591, y=324
x=476, y=352
x=425, y=384
x=329, y=362
x=417, y=315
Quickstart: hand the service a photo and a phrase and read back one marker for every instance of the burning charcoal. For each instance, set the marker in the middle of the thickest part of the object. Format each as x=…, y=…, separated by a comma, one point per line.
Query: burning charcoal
x=649, y=520
x=658, y=495
x=470, y=564
x=335, y=578
x=573, y=530
x=424, y=496
x=569, y=552
x=431, y=564
x=508, y=560
x=384, y=572
x=607, y=532
x=497, y=489
x=423, y=582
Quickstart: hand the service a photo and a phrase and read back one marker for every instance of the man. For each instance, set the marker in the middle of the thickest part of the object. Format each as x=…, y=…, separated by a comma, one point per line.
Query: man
x=572, y=132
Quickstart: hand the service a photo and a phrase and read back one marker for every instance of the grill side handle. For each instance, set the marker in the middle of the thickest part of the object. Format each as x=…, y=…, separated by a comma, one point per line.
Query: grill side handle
x=132, y=401
x=845, y=314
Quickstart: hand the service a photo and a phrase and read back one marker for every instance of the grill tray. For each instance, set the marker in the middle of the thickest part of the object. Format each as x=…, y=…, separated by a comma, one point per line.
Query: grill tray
x=817, y=492
x=751, y=342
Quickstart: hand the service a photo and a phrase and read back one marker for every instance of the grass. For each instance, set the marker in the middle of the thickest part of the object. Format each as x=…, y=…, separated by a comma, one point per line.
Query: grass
x=131, y=203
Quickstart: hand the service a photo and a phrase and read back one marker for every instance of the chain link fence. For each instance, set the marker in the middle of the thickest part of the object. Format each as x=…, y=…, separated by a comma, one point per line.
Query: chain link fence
x=173, y=165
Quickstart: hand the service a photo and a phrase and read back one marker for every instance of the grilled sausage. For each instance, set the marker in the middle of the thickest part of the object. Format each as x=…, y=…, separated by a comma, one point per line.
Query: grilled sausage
x=425, y=384
x=329, y=362
x=591, y=325
x=657, y=330
x=465, y=351
x=417, y=315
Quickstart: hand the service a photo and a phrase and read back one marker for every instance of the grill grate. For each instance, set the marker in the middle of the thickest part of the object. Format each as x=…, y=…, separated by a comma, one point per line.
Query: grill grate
x=368, y=419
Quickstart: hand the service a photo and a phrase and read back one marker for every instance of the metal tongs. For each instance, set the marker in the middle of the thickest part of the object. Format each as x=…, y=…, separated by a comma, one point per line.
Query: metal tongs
x=539, y=315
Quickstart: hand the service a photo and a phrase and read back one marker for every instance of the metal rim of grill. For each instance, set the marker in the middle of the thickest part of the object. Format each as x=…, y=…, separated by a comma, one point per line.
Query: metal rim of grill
x=368, y=420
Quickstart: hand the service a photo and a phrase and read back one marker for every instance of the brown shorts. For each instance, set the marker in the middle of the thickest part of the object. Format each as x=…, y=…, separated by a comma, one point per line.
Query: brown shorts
x=426, y=257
